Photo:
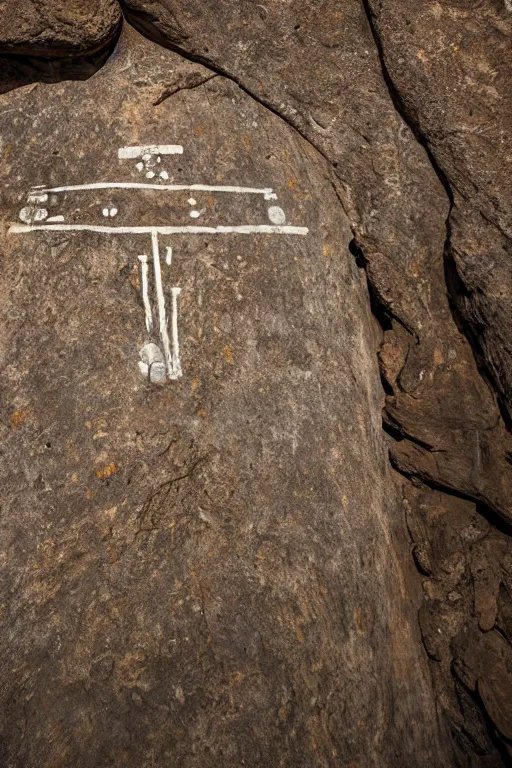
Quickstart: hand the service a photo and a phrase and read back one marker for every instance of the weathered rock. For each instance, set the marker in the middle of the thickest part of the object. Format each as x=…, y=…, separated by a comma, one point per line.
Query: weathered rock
x=396, y=206
x=451, y=65
x=465, y=619
x=206, y=572
x=49, y=41
x=190, y=465
x=57, y=28
x=342, y=106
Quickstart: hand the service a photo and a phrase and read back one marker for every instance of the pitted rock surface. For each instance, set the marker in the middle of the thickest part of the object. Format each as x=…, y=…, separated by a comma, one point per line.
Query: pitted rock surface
x=451, y=66
x=57, y=28
x=216, y=566
x=209, y=572
x=444, y=416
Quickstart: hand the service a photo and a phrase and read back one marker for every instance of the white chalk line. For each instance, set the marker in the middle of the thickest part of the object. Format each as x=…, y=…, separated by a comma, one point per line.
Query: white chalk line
x=131, y=153
x=244, y=229
x=164, y=334
x=145, y=292
x=267, y=192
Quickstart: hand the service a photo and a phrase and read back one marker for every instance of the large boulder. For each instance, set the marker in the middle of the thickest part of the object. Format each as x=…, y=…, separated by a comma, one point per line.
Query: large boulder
x=203, y=553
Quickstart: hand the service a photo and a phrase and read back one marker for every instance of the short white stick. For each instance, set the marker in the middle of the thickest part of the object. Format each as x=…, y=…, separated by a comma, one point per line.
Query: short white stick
x=131, y=153
x=176, y=362
x=164, y=334
x=145, y=292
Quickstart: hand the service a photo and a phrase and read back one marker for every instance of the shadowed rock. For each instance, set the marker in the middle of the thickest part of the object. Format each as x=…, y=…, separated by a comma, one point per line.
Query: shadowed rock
x=49, y=41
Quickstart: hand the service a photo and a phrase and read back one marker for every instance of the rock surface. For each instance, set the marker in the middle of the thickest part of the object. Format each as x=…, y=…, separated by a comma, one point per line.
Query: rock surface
x=212, y=571
x=53, y=40
x=431, y=229
x=465, y=620
x=245, y=512
x=444, y=416
x=57, y=28
x=451, y=65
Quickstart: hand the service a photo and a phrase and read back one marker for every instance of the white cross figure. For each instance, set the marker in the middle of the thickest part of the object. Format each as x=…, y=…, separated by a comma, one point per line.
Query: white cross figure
x=158, y=362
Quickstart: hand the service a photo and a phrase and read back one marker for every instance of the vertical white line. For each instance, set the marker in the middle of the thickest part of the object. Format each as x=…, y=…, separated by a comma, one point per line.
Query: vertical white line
x=168, y=257
x=164, y=335
x=176, y=363
x=145, y=292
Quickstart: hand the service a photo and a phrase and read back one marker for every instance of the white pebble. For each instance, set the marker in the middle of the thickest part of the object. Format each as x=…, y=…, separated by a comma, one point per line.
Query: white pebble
x=164, y=175
x=276, y=215
x=38, y=197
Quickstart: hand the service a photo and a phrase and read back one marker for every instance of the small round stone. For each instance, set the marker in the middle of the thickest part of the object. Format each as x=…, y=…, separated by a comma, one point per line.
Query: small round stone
x=276, y=215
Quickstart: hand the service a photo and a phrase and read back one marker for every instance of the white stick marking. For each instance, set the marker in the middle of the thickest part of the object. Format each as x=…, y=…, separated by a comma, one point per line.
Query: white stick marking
x=132, y=153
x=245, y=229
x=164, y=334
x=55, y=219
x=145, y=292
x=268, y=192
x=176, y=363
x=168, y=256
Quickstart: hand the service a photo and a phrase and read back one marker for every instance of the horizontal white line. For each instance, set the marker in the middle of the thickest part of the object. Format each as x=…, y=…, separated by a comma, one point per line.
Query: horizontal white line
x=244, y=229
x=166, y=187
x=130, y=153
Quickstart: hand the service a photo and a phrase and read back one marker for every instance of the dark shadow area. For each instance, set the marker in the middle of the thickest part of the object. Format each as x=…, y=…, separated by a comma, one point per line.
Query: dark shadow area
x=457, y=295
x=147, y=24
x=19, y=70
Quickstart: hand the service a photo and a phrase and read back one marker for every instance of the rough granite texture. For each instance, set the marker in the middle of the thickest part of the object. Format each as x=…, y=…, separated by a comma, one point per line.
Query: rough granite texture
x=216, y=571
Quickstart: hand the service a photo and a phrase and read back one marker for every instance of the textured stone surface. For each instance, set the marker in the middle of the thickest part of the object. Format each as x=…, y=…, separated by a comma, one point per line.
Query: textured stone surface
x=446, y=419
x=49, y=41
x=55, y=28
x=465, y=619
x=451, y=65
x=219, y=495
x=426, y=250
x=211, y=572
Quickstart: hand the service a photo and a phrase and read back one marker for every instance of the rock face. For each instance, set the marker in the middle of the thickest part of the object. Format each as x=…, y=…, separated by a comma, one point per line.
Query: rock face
x=445, y=417
x=195, y=474
x=432, y=230
x=211, y=570
x=53, y=40
x=451, y=66
x=57, y=28
x=465, y=619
